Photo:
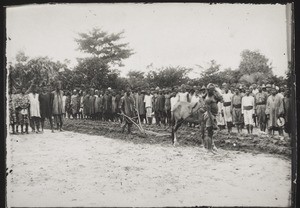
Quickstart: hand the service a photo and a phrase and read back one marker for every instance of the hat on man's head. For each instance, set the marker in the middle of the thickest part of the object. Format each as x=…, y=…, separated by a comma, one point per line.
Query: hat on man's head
x=203, y=87
x=268, y=86
x=263, y=86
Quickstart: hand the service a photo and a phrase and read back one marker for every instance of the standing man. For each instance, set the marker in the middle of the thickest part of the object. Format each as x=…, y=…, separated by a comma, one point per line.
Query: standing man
x=261, y=101
x=236, y=106
x=68, y=109
x=148, y=105
x=74, y=104
x=107, y=104
x=160, y=107
x=57, y=105
x=227, y=98
x=139, y=103
x=81, y=96
x=168, y=106
x=118, y=100
x=92, y=103
x=211, y=107
x=86, y=108
x=248, y=110
x=113, y=106
x=274, y=110
x=45, y=107
x=34, y=108
x=97, y=105
x=127, y=108
x=22, y=104
x=64, y=103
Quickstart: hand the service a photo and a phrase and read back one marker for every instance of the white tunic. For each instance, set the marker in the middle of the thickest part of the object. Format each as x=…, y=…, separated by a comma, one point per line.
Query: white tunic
x=247, y=101
x=173, y=101
x=64, y=103
x=148, y=101
x=182, y=96
x=227, y=97
x=34, y=105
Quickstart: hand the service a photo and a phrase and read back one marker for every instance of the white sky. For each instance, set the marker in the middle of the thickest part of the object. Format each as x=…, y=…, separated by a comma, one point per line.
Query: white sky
x=162, y=34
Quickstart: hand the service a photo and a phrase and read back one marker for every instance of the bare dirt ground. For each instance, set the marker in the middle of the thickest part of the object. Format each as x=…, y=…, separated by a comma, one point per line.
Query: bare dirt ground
x=74, y=169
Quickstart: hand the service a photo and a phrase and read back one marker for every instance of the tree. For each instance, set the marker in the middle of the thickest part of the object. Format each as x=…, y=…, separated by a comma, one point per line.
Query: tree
x=254, y=61
x=105, y=51
x=104, y=46
x=167, y=77
x=136, y=79
x=41, y=69
x=211, y=74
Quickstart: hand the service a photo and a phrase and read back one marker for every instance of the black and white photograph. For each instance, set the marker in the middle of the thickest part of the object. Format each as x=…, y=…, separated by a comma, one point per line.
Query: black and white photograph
x=150, y=105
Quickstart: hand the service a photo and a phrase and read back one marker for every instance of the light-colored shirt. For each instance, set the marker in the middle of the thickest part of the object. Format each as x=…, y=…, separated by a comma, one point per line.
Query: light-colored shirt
x=148, y=100
x=173, y=100
x=227, y=97
x=247, y=101
x=34, y=105
x=182, y=96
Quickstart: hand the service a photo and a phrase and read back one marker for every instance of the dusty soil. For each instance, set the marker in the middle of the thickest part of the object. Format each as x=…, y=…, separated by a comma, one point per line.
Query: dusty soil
x=74, y=169
x=259, y=142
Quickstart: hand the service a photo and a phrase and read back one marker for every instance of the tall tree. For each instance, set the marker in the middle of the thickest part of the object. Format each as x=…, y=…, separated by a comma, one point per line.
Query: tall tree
x=254, y=61
x=104, y=46
x=211, y=74
x=105, y=51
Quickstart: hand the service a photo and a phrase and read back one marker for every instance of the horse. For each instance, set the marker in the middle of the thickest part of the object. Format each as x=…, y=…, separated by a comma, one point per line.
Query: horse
x=183, y=111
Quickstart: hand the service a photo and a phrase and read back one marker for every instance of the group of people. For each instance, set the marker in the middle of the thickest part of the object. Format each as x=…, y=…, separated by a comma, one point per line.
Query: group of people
x=33, y=106
x=239, y=106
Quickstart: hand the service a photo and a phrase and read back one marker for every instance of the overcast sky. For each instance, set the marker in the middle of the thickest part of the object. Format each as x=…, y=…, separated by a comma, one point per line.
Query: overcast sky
x=161, y=34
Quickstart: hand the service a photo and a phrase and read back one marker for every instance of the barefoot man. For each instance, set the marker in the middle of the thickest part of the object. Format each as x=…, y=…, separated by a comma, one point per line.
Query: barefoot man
x=127, y=108
x=57, y=106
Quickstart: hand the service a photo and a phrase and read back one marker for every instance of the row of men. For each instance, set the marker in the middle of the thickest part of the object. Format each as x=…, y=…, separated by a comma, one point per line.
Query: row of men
x=242, y=107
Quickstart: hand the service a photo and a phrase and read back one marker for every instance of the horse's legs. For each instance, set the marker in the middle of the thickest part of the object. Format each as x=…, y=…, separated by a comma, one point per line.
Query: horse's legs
x=178, y=123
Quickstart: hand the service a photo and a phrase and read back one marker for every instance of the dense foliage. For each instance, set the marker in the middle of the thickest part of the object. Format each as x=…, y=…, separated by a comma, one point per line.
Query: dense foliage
x=105, y=52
